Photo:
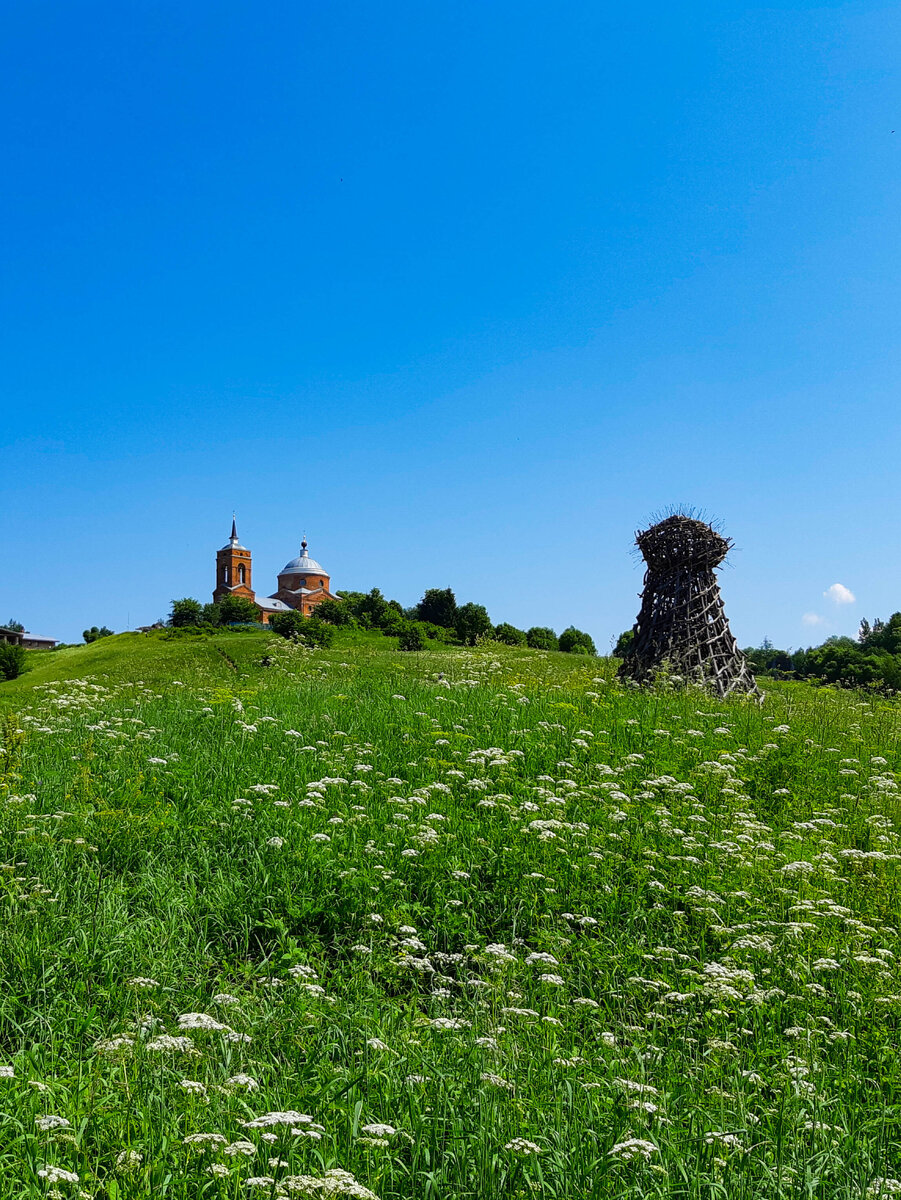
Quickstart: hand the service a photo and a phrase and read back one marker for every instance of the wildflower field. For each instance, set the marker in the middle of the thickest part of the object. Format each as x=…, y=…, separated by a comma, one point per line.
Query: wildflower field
x=478, y=923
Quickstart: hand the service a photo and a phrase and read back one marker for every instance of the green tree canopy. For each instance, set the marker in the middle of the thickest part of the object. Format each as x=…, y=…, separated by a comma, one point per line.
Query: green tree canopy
x=624, y=643
x=185, y=612
x=92, y=634
x=334, y=612
x=539, y=637
x=238, y=610
x=571, y=639
x=509, y=634
x=471, y=623
x=15, y=625
x=438, y=606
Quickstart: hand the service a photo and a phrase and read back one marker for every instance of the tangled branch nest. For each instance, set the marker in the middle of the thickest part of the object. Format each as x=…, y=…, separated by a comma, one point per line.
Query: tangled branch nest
x=682, y=627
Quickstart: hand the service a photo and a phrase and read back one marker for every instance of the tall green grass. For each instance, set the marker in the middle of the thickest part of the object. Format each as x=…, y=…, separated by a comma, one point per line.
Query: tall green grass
x=469, y=924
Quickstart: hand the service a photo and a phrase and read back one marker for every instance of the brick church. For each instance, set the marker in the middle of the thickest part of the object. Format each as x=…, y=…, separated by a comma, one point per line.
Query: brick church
x=302, y=583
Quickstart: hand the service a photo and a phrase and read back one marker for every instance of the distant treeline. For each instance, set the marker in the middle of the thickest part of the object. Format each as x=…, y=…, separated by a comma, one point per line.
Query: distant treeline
x=436, y=618
x=872, y=660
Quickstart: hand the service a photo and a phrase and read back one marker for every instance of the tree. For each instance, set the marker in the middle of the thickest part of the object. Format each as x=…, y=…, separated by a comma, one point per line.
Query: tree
x=509, y=634
x=410, y=637
x=92, y=634
x=539, y=637
x=12, y=660
x=571, y=639
x=15, y=625
x=438, y=606
x=623, y=643
x=882, y=635
x=238, y=610
x=370, y=608
x=471, y=622
x=185, y=612
x=211, y=614
x=334, y=612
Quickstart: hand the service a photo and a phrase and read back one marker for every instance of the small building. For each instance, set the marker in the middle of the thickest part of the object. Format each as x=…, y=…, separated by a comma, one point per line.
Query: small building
x=302, y=583
x=30, y=641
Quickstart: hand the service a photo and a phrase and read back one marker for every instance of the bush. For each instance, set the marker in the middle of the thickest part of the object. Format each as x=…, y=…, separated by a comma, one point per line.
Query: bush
x=394, y=623
x=309, y=630
x=571, y=638
x=12, y=660
x=471, y=623
x=436, y=632
x=92, y=634
x=509, y=635
x=185, y=612
x=539, y=637
x=411, y=638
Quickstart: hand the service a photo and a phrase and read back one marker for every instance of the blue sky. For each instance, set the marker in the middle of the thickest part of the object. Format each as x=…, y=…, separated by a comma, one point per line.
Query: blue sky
x=465, y=292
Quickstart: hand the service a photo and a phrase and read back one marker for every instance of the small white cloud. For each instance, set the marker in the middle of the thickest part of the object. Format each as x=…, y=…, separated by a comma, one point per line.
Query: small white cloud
x=839, y=594
x=813, y=619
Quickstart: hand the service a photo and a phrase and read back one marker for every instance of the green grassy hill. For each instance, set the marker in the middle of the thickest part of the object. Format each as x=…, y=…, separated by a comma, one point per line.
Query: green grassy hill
x=468, y=923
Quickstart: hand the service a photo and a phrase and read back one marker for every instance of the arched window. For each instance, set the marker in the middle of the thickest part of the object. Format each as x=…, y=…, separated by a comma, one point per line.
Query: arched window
x=225, y=574
x=242, y=574
x=321, y=584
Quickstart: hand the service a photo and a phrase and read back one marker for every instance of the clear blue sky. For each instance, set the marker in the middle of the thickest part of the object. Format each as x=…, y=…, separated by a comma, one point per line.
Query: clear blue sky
x=465, y=291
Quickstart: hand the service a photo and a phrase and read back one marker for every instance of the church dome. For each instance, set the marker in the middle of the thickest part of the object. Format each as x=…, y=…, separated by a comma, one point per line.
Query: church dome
x=303, y=564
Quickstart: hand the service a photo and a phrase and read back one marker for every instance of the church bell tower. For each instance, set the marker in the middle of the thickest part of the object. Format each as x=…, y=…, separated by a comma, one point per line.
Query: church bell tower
x=233, y=569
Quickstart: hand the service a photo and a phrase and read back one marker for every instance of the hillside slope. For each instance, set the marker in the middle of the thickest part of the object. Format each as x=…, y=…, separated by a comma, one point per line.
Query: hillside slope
x=470, y=923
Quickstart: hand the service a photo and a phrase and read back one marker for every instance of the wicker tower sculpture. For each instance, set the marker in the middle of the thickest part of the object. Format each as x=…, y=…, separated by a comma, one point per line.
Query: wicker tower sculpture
x=682, y=623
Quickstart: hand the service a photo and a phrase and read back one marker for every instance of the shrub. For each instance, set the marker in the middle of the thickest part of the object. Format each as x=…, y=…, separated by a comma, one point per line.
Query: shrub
x=509, y=634
x=185, y=612
x=411, y=637
x=92, y=634
x=309, y=630
x=539, y=637
x=471, y=623
x=571, y=637
x=394, y=623
x=12, y=660
x=436, y=632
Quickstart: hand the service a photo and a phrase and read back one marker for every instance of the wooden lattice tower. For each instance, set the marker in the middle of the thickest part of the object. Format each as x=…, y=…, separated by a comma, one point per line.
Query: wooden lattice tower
x=682, y=626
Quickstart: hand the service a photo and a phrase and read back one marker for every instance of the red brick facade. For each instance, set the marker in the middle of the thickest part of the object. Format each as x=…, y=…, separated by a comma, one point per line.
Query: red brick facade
x=233, y=573
x=302, y=585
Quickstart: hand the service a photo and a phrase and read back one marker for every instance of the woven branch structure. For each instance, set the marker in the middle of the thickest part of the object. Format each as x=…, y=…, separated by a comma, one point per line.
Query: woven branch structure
x=682, y=626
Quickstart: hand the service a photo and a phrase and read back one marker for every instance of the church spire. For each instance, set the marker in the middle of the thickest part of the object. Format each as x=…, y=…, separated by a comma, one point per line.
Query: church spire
x=234, y=535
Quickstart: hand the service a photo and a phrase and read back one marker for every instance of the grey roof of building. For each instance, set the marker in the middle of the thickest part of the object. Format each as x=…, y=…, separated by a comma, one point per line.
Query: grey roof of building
x=273, y=604
x=303, y=565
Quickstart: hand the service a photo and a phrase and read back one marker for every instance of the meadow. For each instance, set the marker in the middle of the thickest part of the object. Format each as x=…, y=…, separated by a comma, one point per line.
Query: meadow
x=471, y=923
